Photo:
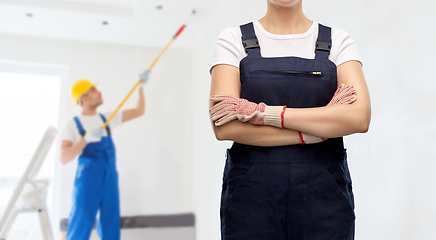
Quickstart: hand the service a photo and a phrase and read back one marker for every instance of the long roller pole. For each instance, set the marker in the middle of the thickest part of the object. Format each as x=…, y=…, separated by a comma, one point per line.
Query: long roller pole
x=148, y=70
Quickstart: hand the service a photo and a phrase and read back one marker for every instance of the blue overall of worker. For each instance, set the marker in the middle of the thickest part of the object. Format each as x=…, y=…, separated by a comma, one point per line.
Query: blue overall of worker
x=96, y=188
x=309, y=185
x=293, y=93
x=96, y=182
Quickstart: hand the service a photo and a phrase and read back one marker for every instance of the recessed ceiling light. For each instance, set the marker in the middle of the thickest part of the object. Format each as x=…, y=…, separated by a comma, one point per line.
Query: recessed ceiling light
x=159, y=7
x=29, y=15
x=105, y=23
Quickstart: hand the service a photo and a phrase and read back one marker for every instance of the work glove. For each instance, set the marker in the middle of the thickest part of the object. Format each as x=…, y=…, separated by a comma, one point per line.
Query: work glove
x=230, y=108
x=345, y=94
x=93, y=136
x=144, y=77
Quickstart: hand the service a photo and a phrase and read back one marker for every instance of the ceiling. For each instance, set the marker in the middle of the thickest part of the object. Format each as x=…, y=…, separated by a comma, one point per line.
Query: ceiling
x=136, y=22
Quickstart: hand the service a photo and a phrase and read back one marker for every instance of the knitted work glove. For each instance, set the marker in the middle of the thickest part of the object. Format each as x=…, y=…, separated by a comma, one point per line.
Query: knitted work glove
x=230, y=108
x=345, y=94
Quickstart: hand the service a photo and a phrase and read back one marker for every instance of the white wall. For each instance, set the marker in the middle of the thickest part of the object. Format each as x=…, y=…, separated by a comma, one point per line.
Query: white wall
x=154, y=153
x=392, y=165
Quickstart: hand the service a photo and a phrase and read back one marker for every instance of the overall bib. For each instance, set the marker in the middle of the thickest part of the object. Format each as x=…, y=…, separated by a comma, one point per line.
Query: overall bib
x=95, y=188
x=296, y=192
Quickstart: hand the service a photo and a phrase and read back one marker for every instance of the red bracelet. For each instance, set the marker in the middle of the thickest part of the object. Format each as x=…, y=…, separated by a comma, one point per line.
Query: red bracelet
x=302, y=139
x=282, y=115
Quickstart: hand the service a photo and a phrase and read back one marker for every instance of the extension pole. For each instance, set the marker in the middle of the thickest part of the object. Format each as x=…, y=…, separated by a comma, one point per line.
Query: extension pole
x=148, y=70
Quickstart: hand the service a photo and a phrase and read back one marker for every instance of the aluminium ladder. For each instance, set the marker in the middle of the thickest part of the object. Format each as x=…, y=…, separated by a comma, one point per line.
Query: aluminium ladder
x=36, y=196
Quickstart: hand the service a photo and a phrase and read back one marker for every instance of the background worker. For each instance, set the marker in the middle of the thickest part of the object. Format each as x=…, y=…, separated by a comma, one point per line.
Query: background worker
x=96, y=182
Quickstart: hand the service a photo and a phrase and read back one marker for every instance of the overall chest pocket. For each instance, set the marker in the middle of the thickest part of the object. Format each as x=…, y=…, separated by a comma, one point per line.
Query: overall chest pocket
x=293, y=88
x=291, y=73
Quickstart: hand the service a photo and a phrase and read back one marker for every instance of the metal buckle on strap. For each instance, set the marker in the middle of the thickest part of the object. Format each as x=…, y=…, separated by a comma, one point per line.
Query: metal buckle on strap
x=323, y=46
x=250, y=43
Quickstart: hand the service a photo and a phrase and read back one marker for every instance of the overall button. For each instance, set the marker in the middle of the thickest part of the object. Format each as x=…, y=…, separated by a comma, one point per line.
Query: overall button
x=350, y=188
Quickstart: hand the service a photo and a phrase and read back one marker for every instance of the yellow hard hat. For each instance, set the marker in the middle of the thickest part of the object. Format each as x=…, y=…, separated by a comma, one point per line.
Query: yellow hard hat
x=79, y=88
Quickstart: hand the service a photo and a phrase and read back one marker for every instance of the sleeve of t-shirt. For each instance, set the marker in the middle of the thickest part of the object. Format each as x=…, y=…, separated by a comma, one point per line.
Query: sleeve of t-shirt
x=116, y=121
x=344, y=48
x=229, y=49
x=68, y=133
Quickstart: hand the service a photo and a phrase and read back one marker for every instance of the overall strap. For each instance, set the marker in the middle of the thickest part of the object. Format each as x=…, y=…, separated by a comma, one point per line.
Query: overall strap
x=107, y=126
x=79, y=126
x=324, y=42
x=249, y=40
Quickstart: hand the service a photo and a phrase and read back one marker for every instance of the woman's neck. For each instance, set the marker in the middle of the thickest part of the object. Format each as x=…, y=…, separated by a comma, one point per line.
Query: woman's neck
x=285, y=20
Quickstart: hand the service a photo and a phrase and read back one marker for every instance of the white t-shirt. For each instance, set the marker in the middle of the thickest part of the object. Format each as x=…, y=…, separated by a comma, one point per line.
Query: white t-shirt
x=229, y=49
x=70, y=132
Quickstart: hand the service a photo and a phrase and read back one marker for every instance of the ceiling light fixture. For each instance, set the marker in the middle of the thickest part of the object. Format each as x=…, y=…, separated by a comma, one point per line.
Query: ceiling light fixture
x=29, y=15
x=105, y=23
x=159, y=7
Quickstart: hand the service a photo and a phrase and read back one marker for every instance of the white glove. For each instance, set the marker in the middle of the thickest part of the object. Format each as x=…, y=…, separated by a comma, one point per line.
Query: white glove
x=94, y=136
x=144, y=77
x=310, y=139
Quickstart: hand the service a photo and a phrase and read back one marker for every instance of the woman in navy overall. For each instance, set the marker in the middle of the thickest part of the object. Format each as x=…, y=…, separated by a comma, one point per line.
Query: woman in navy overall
x=286, y=90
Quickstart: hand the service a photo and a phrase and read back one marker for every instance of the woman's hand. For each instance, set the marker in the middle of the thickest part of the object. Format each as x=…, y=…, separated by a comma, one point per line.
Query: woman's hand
x=225, y=81
x=230, y=108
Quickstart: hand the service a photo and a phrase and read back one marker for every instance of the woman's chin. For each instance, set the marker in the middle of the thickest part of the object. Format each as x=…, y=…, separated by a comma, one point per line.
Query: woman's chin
x=284, y=3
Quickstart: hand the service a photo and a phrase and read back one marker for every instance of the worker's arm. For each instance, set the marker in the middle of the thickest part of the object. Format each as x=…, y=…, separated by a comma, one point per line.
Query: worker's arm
x=225, y=80
x=70, y=151
x=138, y=111
x=337, y=120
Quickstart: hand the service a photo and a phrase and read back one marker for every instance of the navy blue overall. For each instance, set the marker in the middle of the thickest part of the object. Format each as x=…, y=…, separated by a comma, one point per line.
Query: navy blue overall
x=297, y=192
x=95, y=188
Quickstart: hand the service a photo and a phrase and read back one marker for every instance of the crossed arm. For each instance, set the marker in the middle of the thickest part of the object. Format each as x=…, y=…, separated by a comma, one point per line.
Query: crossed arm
x=330, y=121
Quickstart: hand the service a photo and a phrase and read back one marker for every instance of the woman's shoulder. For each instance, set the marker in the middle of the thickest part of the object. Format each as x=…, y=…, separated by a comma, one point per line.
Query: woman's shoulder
x=232, y=33
x=339, y=34
x=343, y=47
x=229, y=49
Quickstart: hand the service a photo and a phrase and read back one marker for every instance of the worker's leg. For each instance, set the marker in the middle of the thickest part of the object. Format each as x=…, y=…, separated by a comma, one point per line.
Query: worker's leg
x=109, y=222
x=87, y=195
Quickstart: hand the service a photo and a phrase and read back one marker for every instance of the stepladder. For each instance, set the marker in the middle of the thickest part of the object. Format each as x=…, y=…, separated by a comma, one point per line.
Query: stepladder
x=30, y=195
